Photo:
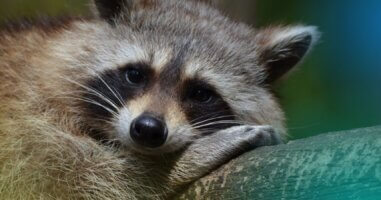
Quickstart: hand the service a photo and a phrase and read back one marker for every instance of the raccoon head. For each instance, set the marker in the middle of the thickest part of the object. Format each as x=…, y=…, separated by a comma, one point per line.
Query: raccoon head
x=166, y=72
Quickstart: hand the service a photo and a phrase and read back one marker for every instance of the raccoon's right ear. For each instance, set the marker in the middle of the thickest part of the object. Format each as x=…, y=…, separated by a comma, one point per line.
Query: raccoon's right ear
x=111, y=10
x=281, y=48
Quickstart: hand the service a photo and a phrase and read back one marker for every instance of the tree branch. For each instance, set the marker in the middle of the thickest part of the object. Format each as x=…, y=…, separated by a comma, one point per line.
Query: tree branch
x=342, y=165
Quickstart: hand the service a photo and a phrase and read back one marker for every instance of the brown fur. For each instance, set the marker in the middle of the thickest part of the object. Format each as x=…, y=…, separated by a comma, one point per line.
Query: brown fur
x=46, y=151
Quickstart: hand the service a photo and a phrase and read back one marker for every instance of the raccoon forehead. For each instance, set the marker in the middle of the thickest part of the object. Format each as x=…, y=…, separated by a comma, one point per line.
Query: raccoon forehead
x=225, y=71
x=116, y=54
x=215, y=70
x=122, y=45
x=201, y=57
x=204, y=71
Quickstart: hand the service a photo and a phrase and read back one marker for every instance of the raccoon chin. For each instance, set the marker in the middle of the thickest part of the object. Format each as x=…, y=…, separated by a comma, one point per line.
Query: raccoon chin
x=165, y=149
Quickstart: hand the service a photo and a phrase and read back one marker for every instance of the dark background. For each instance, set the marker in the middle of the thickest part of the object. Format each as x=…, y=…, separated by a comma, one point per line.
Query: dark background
x=337, y=87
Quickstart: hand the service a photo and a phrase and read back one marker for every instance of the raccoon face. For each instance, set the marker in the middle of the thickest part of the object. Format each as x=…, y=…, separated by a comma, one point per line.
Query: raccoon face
x=167, y=72
x=156, y=109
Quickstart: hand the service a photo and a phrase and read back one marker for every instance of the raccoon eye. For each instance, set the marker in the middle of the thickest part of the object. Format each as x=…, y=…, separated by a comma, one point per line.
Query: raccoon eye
x=135, y=77
x=202, y=95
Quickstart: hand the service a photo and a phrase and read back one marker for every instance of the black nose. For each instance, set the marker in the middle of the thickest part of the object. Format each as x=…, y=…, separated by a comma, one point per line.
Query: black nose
x=148, y=131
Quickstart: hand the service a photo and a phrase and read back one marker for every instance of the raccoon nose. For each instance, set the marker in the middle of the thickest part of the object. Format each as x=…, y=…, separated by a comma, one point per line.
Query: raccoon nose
x=148, y=131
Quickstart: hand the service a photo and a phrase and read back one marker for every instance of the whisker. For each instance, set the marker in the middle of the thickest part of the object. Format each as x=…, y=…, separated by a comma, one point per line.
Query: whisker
x=119, y=98
x=113, y=91
x=93, y=91
x=219, y=123
x=211, y=119
x=105, y=121
x=208, y=115
x=92, y=102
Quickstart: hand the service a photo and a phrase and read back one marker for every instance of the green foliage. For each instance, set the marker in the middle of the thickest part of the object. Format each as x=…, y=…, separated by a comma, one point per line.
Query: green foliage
x=13, y=9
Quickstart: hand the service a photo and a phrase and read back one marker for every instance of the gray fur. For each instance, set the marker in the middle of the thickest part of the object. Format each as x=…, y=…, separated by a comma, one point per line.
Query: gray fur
x=189, y=37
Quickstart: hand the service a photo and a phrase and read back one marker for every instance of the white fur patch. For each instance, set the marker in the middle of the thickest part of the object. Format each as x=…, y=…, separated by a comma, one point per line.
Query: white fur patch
x=191, y=68
x=161, y=58
x=123, y=124
x=294, y=32
x=121, y=53
x=130, y=53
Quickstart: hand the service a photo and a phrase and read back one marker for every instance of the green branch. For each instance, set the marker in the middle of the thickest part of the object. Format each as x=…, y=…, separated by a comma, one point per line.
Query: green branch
x=343, y=165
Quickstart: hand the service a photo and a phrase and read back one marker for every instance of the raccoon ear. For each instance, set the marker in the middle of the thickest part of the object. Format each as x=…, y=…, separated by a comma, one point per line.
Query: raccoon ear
x=110, y=10
x=281, y=48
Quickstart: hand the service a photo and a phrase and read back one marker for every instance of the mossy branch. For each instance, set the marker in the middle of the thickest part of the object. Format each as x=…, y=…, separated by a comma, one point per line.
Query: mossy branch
x=342, y=165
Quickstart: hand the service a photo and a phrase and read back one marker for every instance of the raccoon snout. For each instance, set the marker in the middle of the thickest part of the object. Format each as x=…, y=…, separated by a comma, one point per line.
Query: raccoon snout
x=148, y=131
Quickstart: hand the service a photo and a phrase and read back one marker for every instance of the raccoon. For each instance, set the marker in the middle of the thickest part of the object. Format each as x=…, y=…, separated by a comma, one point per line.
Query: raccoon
x=137, y=101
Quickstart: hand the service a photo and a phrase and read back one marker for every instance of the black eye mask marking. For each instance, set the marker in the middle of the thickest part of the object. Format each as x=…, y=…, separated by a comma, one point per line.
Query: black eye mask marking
x=111, y=89
x=205, y=109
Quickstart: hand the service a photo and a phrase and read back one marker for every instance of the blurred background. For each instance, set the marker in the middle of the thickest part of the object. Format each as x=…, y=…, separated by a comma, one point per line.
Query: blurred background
x=338, y=85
